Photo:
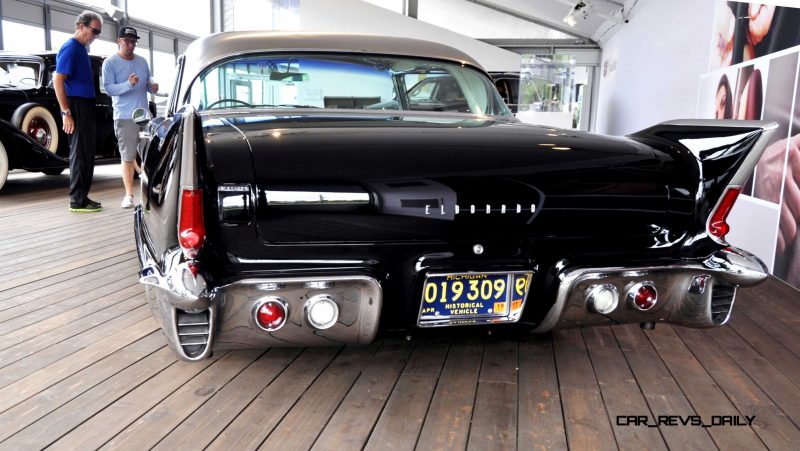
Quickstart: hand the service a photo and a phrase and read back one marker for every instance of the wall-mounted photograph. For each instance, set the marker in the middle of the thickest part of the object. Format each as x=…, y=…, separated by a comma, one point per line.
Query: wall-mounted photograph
x=745, y=31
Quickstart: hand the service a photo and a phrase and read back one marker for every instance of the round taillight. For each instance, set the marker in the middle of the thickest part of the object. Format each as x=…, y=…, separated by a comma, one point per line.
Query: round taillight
x=643, y=296
x=322, y=312
x=602, y=299
x=271, y=313
x=190, y=239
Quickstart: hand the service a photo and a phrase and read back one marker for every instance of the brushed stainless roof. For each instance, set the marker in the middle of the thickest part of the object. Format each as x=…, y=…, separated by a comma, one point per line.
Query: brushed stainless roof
x=206, y=50
x=213, y=47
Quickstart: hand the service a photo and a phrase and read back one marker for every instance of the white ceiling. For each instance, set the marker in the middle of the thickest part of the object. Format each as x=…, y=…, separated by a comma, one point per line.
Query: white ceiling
x=596, y=20
x=601, y=16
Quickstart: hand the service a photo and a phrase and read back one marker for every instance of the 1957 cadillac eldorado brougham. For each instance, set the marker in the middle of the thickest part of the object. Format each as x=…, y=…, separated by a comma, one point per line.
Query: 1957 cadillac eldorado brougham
x=294, y=193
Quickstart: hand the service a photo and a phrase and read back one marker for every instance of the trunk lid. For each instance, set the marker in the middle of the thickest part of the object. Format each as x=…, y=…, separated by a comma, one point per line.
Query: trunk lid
x=376, y=177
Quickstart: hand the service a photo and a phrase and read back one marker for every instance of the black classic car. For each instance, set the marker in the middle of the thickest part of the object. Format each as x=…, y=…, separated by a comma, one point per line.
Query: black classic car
x=30, y=118
x=270, y=218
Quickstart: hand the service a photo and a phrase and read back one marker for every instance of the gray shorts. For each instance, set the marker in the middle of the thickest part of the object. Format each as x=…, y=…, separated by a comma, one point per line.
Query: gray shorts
x=127, y=138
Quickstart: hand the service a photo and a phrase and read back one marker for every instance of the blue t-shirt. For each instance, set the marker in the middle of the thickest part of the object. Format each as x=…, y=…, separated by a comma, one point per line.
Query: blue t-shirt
x=73, y=61
x=126, y=97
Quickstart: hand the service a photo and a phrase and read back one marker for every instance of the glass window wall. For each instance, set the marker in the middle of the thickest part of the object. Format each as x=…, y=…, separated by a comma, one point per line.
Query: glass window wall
x=189, y=16
x=22, y=38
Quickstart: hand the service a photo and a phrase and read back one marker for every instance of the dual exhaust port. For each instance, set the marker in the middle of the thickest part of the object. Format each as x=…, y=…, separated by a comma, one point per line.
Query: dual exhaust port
x=321, y=312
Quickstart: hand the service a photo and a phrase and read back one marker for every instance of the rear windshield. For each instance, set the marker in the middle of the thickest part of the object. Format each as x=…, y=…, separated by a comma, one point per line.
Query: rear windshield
x=346, y=81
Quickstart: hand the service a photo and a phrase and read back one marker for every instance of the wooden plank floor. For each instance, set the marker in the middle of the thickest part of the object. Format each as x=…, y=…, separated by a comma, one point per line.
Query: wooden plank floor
x=84, y=366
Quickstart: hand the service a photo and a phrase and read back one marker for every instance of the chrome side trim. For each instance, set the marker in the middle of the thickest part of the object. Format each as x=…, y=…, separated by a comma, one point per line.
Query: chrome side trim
x=722, y=123
x=296, y=261
x=301, y=198
x=680, y=302
x=188, y=149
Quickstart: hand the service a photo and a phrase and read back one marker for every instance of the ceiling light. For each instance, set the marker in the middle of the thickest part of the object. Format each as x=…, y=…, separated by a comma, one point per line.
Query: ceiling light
x=581, y=7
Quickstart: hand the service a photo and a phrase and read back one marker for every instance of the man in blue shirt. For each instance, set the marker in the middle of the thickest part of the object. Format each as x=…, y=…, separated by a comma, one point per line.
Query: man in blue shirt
x=74, y=86
x=126, y=79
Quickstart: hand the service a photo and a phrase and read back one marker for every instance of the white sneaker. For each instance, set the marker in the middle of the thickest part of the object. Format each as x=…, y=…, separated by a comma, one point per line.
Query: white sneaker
x=127, y=201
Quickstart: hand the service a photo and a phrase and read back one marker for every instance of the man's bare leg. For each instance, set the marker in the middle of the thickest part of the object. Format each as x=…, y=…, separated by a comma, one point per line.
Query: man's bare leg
x=127, y=176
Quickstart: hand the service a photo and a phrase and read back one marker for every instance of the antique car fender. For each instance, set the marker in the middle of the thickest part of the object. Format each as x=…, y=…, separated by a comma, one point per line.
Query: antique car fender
x=23, y=152
x=35, y=120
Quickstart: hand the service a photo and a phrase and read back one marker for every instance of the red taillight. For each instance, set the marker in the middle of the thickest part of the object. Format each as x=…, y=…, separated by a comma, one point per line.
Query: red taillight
x=717, y=226
x=191, y=231
x=642, y=296
x=271, y=315
x=645, y=297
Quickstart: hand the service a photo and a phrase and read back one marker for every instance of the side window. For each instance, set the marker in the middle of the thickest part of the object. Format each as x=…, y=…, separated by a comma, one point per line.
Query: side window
x=172, y=101
x=422, y=91
x=504, y=90
x=23, y=74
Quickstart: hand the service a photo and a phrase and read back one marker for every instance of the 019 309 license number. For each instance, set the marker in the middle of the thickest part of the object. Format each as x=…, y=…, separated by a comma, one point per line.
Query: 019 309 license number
x=473, y=295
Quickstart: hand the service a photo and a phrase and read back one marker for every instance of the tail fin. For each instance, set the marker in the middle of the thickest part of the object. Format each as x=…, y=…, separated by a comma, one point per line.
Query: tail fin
x=719, y=157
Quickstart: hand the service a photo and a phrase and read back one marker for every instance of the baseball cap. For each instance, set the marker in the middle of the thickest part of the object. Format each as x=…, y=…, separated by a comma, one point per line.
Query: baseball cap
x=128, y=32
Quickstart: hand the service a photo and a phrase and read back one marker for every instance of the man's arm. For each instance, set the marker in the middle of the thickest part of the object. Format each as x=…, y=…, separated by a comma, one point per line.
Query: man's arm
x=110, y=82
x=63, y=103
x=151, y=87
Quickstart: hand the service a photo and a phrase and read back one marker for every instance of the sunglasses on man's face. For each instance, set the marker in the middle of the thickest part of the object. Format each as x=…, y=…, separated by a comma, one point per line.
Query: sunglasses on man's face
x=94, y=30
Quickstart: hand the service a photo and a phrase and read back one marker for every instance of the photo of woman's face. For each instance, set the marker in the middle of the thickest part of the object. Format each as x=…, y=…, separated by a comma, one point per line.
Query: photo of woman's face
x=721, y=103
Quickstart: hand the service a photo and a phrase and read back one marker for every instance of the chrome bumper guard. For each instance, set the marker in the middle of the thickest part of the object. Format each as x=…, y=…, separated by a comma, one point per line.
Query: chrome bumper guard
x=695, y=294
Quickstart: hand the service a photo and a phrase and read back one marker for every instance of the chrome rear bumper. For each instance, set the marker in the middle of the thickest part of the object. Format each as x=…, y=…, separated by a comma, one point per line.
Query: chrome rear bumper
x=197, y=319
x=695, y=294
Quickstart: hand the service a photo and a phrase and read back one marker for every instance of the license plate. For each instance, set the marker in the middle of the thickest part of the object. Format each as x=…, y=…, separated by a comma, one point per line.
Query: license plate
x=474, y=297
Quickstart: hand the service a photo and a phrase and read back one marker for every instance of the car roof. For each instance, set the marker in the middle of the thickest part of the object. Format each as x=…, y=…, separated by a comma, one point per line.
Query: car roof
x=6, y=54
x=206, y=50
x=44, y=54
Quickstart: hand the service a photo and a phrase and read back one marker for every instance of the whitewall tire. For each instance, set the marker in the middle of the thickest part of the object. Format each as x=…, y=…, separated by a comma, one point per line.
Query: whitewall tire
x=3, y=165
x=37, y=122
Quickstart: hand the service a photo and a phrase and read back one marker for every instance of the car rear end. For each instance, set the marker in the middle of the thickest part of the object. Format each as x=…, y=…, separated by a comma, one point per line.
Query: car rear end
x=286, y=206
x=293, y=234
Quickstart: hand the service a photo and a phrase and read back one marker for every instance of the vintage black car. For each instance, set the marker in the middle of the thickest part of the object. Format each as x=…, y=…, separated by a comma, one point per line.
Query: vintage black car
x=270, y=218
x=30, y=120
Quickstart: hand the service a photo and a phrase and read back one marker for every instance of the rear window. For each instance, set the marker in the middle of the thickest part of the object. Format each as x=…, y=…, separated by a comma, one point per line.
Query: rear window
x=345, y=82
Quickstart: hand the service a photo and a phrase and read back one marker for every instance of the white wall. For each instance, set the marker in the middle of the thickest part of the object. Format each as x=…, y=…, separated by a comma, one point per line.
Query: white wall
x=653, y=65
x=355, y=16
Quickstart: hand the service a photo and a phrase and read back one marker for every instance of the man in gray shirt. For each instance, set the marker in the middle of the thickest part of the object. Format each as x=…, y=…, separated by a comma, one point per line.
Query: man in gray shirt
x=126, y=78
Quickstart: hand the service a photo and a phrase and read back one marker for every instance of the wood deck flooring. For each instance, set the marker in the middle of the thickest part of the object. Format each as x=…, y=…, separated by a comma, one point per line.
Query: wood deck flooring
x=84, y=366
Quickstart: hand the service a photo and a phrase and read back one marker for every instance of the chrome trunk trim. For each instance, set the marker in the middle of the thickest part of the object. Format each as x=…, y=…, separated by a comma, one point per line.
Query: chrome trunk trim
x=316, y=198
